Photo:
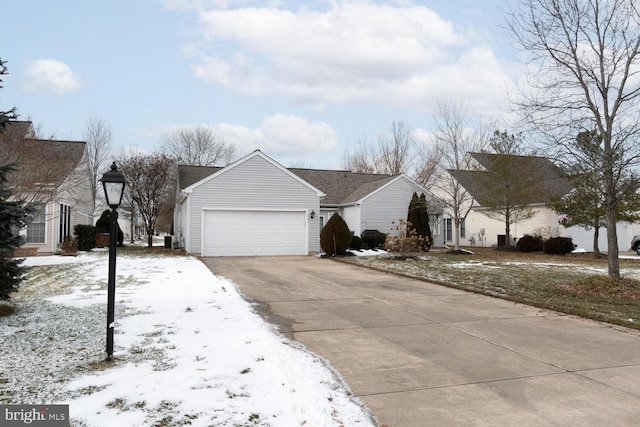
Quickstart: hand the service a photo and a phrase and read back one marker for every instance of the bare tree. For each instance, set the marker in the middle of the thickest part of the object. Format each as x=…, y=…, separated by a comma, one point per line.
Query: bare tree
x=149, y=184
x=198, y=146
x=457, y=133
x=391, y=155
x=98, y=137
x=584, y=75
x=394, y=149
x=361, y=160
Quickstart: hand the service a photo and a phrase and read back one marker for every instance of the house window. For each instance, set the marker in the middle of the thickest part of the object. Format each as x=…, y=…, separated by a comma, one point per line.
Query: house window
x=65, y=222
x=434, y=224
x=449, y=228
x=36, y=227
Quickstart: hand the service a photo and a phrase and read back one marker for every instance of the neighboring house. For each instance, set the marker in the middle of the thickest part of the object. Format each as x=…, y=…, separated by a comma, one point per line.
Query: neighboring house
x=53, y=176
x=256, y=206
x=480, y=230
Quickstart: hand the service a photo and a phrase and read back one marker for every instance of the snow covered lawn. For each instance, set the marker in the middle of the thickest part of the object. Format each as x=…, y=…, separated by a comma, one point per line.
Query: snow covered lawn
x=189, y=350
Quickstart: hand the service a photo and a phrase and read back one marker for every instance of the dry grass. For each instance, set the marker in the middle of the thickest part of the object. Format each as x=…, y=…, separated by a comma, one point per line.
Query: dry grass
x=574, y=284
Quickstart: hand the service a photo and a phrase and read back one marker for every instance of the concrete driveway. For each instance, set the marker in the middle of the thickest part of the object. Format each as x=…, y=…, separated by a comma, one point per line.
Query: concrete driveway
x=419, y=354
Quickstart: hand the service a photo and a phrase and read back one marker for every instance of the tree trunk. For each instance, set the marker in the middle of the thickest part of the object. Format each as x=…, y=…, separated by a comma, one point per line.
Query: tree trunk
x=612, y=243
x=596, y=236
x=507, y=227
x=456, y=236
x=149, y=237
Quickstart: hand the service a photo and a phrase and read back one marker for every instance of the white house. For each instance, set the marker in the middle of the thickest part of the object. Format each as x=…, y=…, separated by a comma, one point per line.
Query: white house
x=53, y=176
x=256, y=206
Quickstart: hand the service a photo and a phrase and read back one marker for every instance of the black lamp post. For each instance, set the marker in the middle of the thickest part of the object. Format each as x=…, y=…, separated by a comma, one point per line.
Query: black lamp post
x=113, y=183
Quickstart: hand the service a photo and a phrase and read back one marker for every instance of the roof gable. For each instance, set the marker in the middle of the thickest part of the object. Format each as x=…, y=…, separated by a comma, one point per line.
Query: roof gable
x=226, y=169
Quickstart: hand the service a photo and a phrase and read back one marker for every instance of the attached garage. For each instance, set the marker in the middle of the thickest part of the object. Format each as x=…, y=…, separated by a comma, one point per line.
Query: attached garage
x=244, y=232
x=254, y=206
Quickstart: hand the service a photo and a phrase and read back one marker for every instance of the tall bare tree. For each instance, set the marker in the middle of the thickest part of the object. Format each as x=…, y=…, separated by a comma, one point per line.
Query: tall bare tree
x=391, y=155
x=584, y=69
x=198, y=146
x=98, y=137
x=456, y=134
x=149, y=184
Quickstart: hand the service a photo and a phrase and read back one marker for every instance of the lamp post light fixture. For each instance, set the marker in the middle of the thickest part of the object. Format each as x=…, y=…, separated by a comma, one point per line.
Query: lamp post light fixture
x=113, y=183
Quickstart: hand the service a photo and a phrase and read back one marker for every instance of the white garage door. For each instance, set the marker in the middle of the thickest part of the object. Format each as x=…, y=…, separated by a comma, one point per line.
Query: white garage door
x=249, y=233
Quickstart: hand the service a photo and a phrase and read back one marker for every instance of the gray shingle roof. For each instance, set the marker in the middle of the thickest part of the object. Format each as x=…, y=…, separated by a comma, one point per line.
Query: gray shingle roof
x=538, y=179
x=189, y=175
x=40, y=162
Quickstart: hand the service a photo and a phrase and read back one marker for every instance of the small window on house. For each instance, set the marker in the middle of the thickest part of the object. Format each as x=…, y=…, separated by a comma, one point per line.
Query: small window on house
x=448, y=227
x=36, y=225
x=462, y=230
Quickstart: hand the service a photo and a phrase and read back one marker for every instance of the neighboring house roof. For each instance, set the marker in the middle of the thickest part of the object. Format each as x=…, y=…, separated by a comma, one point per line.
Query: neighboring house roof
x=189, y=175
x=41, y=163
x=545, y=180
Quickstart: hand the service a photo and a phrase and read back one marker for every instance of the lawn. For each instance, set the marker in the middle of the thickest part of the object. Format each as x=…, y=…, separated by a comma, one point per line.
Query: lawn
x=574, y=284
x=189, y=350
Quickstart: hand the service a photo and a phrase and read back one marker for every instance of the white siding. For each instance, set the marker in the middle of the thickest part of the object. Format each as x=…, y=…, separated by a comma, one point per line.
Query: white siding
x=390, y=203
x=351, y=215
x=254, y=183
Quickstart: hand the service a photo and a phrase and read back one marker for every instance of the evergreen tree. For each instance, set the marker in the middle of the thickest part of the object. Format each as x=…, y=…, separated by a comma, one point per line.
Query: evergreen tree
x=418, y=219
x=13, y=215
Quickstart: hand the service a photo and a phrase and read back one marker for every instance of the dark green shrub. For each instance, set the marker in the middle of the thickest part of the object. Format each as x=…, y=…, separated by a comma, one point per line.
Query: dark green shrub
x=373, y=238
x=356, y=243
x=530, y=243
x=558, y=245
x=102, y=224
x=335, y=236
x=86, y=236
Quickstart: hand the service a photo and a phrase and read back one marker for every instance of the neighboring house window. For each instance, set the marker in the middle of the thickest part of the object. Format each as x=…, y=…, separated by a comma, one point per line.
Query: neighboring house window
x=36, y=227
x=65, y=222
x=449, y=227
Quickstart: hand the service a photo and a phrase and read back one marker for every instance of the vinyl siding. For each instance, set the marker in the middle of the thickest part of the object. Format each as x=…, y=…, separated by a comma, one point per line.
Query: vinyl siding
x=253, y=184
x=388, y=204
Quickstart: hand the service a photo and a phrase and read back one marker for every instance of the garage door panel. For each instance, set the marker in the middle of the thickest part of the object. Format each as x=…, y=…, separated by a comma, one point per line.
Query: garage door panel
x=248, y=233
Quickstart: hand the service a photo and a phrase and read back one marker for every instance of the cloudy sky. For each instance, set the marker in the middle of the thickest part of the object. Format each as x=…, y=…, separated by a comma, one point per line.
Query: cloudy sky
x=303, y=81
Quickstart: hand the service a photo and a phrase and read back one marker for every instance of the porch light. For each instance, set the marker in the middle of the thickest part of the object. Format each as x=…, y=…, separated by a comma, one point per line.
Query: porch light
x=313, y=214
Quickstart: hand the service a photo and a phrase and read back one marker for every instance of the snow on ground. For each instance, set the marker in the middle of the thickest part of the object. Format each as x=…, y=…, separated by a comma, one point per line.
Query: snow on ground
x=189, y=351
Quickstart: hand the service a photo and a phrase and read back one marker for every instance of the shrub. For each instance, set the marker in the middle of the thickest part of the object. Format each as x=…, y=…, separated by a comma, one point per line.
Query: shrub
x=373, y=238
x=102, y=224
x=404, y=239
x=356, y=243
x=558, y=245
x=86, y=236
x=529, y=243
x=335, y=237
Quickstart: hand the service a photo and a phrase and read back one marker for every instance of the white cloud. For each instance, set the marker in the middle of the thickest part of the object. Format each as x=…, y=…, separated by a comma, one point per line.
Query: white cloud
x=351, y=52
x=50, y=75
x=285, y=137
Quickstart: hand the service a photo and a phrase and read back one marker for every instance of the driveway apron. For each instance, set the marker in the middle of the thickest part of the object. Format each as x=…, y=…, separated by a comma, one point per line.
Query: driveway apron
x=419, y=354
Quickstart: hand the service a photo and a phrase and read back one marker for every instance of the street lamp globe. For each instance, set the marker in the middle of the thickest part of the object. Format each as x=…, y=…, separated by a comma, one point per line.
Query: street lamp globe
x=113, y=183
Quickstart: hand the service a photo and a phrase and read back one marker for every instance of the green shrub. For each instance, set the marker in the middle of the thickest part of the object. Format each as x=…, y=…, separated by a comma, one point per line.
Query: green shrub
x=558, y=245
x=529, y=243
x=335, y=237
x=86, y=236
x=373, y=238
x=356, y=243
x=102, y=224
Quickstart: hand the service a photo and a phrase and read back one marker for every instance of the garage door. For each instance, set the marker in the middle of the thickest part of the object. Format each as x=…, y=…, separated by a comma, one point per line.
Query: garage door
x=249, y=233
